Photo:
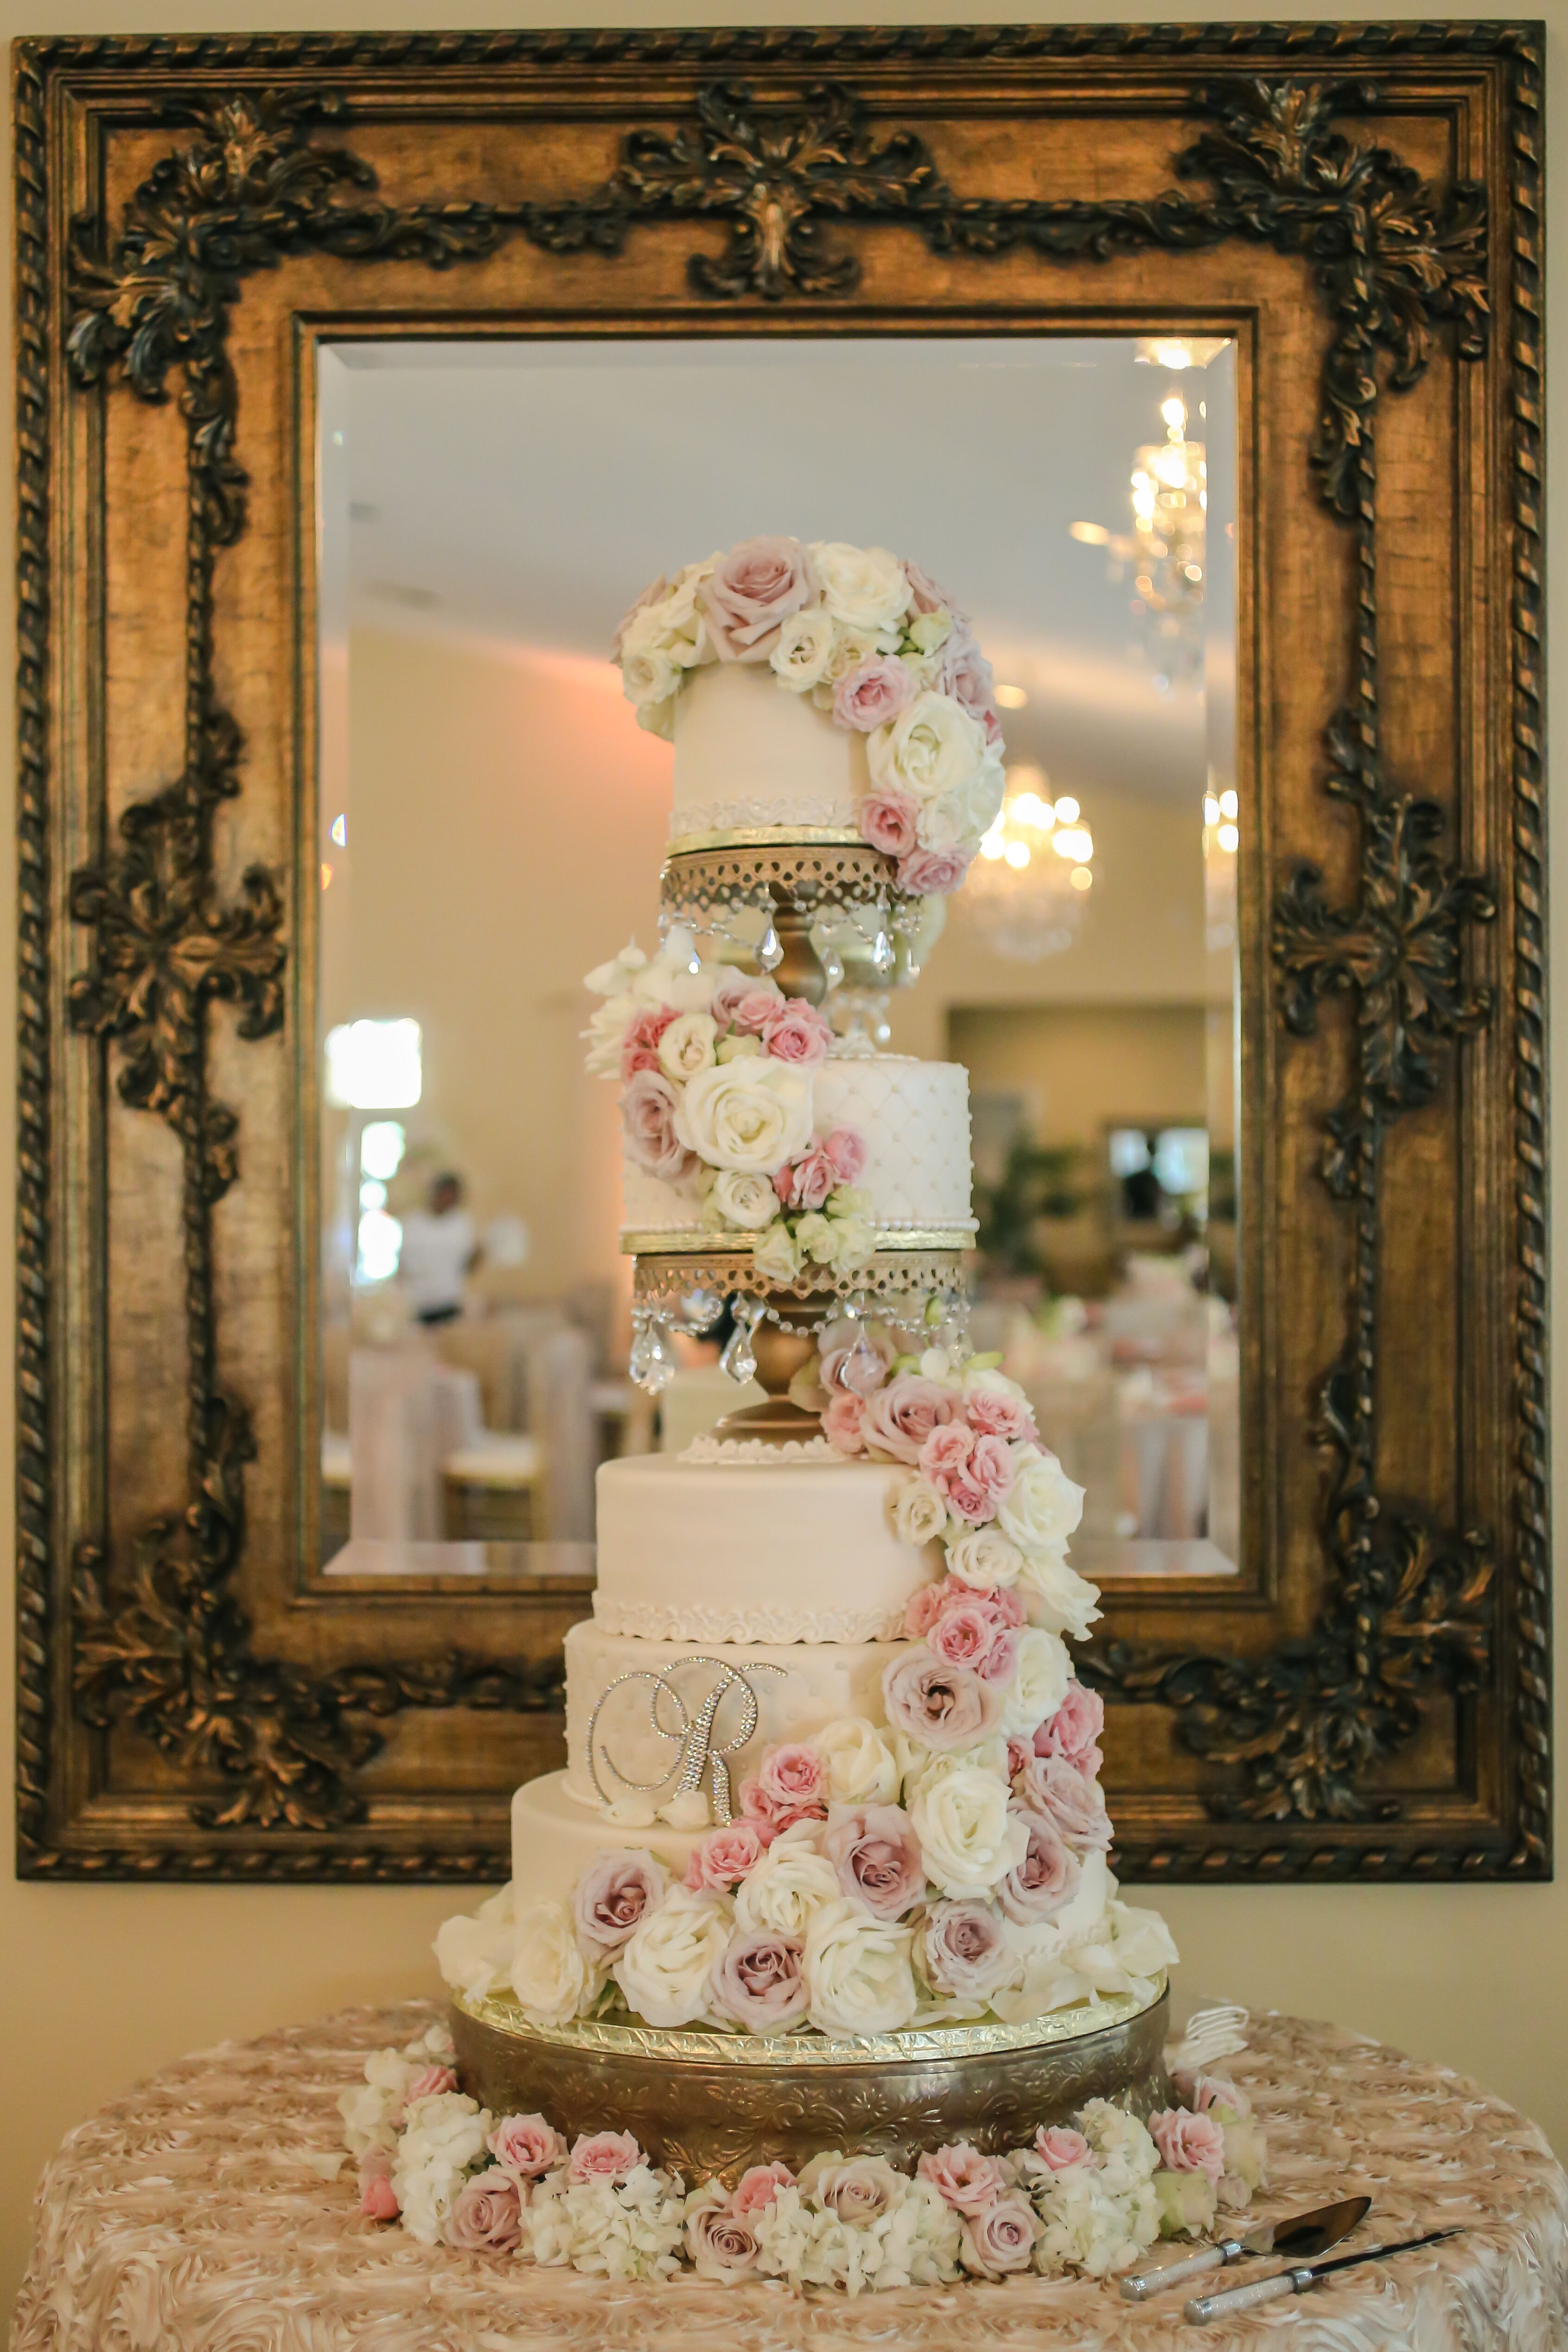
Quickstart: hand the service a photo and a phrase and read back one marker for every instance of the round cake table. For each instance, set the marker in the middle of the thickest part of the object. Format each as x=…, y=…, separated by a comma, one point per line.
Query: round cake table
x=211, y=2210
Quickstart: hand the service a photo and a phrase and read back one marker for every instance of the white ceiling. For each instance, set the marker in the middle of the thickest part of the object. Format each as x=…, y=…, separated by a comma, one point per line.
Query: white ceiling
x=525, y=493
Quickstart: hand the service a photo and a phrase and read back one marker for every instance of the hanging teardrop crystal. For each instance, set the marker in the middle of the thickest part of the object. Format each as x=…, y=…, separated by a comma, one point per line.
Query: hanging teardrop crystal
x=652, y=1359
x=770, y=954
x=740, y=1357
x=883, y=954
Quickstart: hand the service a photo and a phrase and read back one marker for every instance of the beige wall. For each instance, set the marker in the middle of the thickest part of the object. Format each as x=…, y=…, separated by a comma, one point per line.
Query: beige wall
x=1079, y=1068
x=102, y=1983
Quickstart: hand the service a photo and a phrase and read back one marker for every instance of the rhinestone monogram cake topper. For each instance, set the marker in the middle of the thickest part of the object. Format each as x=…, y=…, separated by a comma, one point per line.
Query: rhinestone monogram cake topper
x=692, y=1735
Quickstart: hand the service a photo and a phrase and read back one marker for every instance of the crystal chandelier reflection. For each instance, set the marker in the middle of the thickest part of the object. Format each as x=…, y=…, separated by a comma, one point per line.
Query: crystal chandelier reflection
x=1170, y=498
x=1027, y=891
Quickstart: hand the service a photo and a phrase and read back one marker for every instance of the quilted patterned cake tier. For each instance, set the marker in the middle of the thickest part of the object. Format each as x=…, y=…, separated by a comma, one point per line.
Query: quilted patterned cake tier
x=914, y=1119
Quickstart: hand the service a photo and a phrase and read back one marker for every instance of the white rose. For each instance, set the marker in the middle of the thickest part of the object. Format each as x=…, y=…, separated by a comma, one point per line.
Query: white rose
x=736, y=1048
x=865, y=586
x=1040, y=1683
x=686, y=1045
x=775, y=1254
x=658, y=719
x=649, y=673
x=861, y=1767
x=968, y=1838
x=606, y=1034
x=988, y=1381
x=854, y=1243
x=474, y=1954
x=850, y=648
x=917, y=1511
x=749, y=1115
x=663, y=1971
x=804, y=649
x=964, y=813
x=984, y=1557
x=677, y=975
x=551, y=1980
x=929, y=632
x=858, y=1971
x=1043, y=1505
x=815, y=1236
x=746, y=1200
x=789, y=1885
x=1056, y=1596
x=916, y=1762
x=927, y=750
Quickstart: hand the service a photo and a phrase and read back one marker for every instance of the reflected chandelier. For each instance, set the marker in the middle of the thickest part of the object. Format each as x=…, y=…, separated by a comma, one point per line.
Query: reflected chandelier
x=1027, y=891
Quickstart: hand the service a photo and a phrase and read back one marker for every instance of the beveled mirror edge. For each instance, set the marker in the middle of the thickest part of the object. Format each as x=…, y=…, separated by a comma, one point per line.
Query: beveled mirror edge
x=51, y=1845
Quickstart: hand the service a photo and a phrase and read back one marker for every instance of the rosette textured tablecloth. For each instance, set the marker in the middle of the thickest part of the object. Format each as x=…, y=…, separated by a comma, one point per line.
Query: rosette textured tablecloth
x=208, y=2212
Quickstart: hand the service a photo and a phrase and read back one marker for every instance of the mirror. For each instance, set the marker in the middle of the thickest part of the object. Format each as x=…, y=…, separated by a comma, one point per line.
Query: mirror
x=492, y=823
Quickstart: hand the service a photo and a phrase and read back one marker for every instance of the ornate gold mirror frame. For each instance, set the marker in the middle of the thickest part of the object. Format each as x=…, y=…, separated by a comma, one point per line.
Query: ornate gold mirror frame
x=1361, y=208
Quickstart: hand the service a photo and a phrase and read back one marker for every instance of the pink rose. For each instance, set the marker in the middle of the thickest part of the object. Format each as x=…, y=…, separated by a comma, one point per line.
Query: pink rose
x=991, y=1414
x=933, y=873
x=842, y=1422
x=604, y=2156
x=925, y=596
x=878, y=1857
x=1189, y=2143
x=925, y=1608
x=1050, y=1785
x=971, y=1473
x=721, y=2243
x=760, y=2186
x=1073, y=1732
x=377, y=2197
x=1001, y=1605
x=486, y=2215
x=890, y=821
x=873, y=693
x=798, y=1034
x=615, y=1891
x=733, y=989
x=792, y=1781
x=1059, y=2148
x=962, y=2177
x=966, y=675
x=963, y=1949
x=753, y=1012
x=1018, y=1754
x=428, y=2083
x=648, y=1104
x=527, y=2146
x=970, y=1636
x=747, y=595
x=941, y=1706
x=1046, y=1879
x=846, y=1150
x=806, y=1183
x=1000, y=2240
x=639, y=1046
x=857, y=1371
x=1202, y=2092
x=759, y=1980
x=727, y=1854
x=901, y=1416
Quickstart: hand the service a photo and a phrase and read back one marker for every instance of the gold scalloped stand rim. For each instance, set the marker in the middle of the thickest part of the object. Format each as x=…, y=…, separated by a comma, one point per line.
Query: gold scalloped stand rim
x=778, y=837
x=693, y=1243
x=785, y=2052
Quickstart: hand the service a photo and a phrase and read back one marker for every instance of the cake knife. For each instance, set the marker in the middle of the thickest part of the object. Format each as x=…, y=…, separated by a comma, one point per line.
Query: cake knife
x=1298, y=2281
x=1303, y=2235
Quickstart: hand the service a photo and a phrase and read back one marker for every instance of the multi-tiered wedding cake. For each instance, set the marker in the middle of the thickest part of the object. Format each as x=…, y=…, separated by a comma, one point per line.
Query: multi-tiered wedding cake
x=829, y=1852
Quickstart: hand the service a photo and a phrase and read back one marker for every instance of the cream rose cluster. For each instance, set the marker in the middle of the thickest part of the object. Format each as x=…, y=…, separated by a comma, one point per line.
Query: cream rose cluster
x=878, y=645
x=717, y=1069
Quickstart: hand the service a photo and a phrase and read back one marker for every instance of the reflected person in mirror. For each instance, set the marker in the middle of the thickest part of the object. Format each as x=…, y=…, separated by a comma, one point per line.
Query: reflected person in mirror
x=440, y=1250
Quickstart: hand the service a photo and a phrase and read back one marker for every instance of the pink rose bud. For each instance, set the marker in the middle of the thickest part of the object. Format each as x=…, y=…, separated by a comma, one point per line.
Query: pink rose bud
x=378, y=2199
x=963, y=2178
x=602, y=2156
x=873, y=693
x=924, y=1610
x=1060, y=2148
x=933, y=873
x=798, y=1032
x=843, y=1422
x=846, y=1150
x=890, y=821
x=429, y=2084
x=760, y=2186
x=527, y=2146
x=1189, y=2143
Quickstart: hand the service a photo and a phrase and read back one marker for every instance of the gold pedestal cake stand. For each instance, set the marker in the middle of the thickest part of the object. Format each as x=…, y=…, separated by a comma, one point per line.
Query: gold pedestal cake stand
x=709, y=2104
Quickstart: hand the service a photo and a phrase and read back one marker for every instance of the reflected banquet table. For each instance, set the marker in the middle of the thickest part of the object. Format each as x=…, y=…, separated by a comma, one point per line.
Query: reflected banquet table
x=208, y=2211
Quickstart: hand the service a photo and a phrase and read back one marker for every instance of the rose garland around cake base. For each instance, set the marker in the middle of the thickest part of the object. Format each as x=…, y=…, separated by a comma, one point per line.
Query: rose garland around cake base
x=1086, y=2199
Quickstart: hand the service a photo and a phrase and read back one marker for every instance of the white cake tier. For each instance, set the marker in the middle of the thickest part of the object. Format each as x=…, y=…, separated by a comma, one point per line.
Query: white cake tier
x=554, y=1838
x=749, y=754
x=798, y=1687
x=756, y=1551
x=914, y=1118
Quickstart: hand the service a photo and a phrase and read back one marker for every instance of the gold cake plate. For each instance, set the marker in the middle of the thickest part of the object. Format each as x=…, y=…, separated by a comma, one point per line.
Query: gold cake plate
x=708, y=2105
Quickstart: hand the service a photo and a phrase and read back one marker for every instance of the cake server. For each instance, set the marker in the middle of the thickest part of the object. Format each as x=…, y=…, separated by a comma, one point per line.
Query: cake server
x=1298, y=2280
x=1302, y=2235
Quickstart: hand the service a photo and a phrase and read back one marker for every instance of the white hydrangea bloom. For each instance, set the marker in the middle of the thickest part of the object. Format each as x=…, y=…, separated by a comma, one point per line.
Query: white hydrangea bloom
x=446, y=2135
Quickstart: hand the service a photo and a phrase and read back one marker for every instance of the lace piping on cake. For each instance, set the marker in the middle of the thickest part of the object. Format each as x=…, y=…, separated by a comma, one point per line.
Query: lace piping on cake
x=646, y=1620
x=832, y=813
x=709, y=1448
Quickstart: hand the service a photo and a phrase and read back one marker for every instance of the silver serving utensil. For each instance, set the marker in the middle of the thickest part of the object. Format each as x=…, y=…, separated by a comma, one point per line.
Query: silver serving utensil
x=1205, y=2307
x=1302, y=2235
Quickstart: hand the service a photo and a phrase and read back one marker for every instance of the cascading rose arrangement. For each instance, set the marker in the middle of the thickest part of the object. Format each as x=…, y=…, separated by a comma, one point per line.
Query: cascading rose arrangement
x=945, y=1863
x=1087, y=2198
x=716, y=1068
x=875, y=642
